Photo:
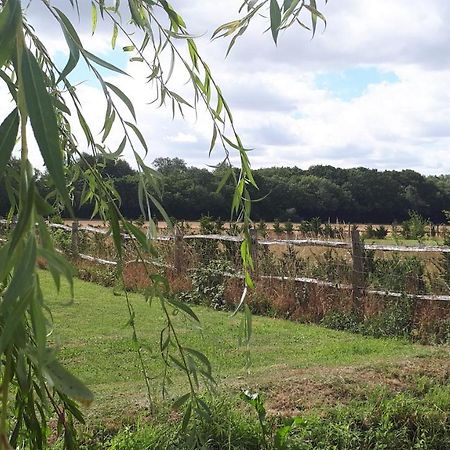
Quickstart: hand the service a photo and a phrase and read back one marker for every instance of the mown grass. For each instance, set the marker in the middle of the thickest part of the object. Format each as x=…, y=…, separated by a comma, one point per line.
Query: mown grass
x=95, y=343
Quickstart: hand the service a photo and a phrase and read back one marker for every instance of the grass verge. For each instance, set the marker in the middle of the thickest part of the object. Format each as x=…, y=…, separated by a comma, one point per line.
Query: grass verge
x=95, y=343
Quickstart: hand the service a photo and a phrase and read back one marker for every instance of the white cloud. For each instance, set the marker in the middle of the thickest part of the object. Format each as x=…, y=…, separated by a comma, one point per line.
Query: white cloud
x=278, y=107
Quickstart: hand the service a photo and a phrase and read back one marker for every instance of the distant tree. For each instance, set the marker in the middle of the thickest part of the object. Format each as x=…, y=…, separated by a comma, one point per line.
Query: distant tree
x=170, y=166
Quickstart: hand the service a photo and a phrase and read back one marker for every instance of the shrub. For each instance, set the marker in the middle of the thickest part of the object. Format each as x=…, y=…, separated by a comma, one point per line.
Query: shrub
x=375, y=233
x=399, y=274
x=328, y=230
x=381, y=232
x=414, y=227
x=277, y=227
x=289, y=227
x=396, y=320
x=407, y=420
x=261, y=228
x=209, y=283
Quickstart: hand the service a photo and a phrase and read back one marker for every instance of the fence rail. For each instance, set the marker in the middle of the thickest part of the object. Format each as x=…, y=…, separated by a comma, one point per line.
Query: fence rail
x=355, y=247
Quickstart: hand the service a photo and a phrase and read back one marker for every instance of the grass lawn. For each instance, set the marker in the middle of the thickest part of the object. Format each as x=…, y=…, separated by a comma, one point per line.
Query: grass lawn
x=95, y=343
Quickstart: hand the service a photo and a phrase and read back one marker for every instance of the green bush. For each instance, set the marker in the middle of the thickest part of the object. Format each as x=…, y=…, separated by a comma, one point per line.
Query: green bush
x=312, y=227
x=328, y=231
x=396, y=320
x=398, y=274
x=375, y=233
x=414, y=227
x=289, y=227
x=208, y=284
x=278, y=227
x=261, y=228
x=226, y=428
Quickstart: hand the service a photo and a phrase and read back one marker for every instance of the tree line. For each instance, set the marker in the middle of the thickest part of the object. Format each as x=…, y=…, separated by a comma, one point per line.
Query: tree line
x=284, y=193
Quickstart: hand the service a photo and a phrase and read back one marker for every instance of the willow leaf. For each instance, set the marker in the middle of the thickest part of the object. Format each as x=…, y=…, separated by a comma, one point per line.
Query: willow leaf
x=68, y=384
x=9, y=20
x=138, y=133
x=73, y=42
x=8, y=135
x=275, y=19
x=103, y=63
x=43, y=121
x=122, y=97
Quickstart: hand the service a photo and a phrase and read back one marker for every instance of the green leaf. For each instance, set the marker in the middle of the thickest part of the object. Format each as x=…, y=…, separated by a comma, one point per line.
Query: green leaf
x=73, y=42
x=275, y=19
x=213, y=139
x=67, y=383
x=23, y=273
x=139, y=135
x=9, y=20
x=114, y=36
x=8, y=135
x=18, y=295
x=287, y=4
x=38, y=322
x=312, y=8
x=14, y=319
x=201, y=357
x=225, y=178
x=180, y=401
x=109, y=121
x=43, y=121
x=59, y=265
x=115, y=228
x=161, y=209
x=122, y=97
x=25, y=214
x=6, y=262
x=11, y=86
x=186, y=417
x=61, y=106
x=93, y=17
x=103, y=63
x=183, y=307
x=140, y=236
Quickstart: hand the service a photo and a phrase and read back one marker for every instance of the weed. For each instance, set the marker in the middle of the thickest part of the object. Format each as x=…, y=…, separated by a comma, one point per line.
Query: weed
x=208, y=284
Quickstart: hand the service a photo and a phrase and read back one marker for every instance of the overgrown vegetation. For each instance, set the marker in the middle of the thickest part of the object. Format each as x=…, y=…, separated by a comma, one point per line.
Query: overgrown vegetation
x=394, y=320
x=416, y=419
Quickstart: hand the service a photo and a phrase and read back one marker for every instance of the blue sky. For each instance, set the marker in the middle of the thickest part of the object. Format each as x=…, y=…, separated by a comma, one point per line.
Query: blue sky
x=353, y=82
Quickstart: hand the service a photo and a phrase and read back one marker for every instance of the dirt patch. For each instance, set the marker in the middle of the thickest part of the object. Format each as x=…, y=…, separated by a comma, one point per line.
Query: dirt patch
x=295, y=391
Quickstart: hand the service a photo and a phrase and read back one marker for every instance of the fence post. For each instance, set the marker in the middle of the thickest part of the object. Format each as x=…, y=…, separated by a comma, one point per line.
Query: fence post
x=74, y=246
x=357, y=271
x=254, y=250
x=178, y=251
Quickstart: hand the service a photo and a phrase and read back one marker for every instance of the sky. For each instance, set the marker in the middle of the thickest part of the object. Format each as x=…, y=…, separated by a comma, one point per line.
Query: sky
x=371, y=90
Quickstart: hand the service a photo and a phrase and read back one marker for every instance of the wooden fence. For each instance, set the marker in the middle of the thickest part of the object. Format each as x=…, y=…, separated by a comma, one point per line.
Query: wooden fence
x=355, y=246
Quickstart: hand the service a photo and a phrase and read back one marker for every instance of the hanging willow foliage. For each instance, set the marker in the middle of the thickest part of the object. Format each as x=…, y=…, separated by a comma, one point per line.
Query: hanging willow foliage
x=34, y=385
